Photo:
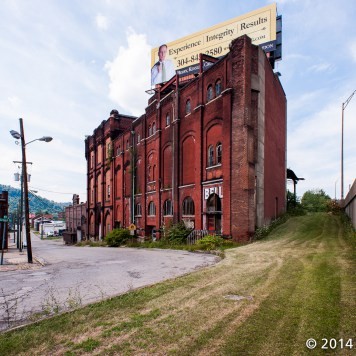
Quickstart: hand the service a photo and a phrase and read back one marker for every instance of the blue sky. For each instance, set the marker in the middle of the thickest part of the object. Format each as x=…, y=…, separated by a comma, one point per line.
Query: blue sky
x=65, y=64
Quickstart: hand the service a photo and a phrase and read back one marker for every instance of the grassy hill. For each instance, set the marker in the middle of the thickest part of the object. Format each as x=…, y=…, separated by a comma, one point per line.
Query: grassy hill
x=37, y=203
x=296, y=285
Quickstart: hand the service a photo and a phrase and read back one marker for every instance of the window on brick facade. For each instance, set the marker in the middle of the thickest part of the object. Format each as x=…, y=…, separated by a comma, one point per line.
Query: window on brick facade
x=167, y=208
x=149, y=173
x=168, y=119
x=188, y=206
x=138, y=210
x=127, y=144
x=210, y=93
x=214, y=203
x=149, y=130
x=151, y=209
x=108, y=190
x=138, y=138
x=218, y=87
x=210, y=155
x=153, y=128
x=218, y=153
x=118, y=150
x=187, y=107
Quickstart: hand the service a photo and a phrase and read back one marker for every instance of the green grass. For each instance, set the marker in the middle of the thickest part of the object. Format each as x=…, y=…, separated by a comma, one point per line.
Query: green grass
x=299, y=283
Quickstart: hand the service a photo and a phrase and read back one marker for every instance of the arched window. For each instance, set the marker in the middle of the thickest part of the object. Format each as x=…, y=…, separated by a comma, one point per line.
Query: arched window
x=138, y=210
x=149, y=130
x=127, y=144
x=188, y=206
x=218, y=87
x=168, y=120
x=151, y=209
x=210, y=93
x=213, y=204
x=138, y=138
x=153, y=128
x=167, y=208
x=218, y=152
x=187, y=107
x=210, y=155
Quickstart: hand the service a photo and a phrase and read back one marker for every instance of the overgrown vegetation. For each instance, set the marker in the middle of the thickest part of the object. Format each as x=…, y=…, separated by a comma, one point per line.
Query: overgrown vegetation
x=177, y=233
x=315, y=200
x=295, y=285
x=117, y=237
x=211, y=242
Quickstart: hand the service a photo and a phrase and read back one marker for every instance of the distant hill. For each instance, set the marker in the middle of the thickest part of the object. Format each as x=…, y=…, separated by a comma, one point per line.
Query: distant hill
x=37, y=203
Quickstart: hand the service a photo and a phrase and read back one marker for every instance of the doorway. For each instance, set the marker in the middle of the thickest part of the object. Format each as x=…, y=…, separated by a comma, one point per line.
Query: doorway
x=214, y=213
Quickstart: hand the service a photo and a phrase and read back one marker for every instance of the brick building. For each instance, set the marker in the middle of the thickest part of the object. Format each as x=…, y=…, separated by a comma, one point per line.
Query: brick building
x=210, y=150
x=76, y=219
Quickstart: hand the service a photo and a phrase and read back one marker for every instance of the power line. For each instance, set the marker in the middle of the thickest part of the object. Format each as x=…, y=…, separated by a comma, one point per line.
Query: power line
x=51, y=191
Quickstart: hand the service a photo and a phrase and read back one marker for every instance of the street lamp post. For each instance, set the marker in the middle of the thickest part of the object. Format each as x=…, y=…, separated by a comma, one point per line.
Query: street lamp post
x=342, y=141
x=21, y=136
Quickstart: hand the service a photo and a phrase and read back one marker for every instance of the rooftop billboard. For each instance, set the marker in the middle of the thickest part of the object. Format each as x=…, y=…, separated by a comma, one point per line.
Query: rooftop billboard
x=183, y=55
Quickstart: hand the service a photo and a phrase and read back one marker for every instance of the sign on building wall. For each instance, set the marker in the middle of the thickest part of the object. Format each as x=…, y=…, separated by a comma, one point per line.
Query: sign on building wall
x=213, y=190
x=183, y=55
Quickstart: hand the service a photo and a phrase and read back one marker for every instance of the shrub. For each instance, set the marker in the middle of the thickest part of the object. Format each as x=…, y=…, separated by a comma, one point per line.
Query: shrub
x=333, y=207
x=315, y=200
x=210, y=242
x=177, y=233
x=117, y=237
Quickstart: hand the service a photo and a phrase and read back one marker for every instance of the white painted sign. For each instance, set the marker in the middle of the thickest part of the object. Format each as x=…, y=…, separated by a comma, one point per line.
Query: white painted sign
x=212, y=190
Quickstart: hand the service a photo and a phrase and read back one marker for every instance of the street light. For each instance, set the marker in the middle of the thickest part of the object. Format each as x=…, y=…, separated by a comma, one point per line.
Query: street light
x=21, y=136
x=342, y=142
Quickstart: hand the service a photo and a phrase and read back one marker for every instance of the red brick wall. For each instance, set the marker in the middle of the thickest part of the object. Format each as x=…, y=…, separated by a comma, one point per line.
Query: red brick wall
x=275, y=147
x=171, y=163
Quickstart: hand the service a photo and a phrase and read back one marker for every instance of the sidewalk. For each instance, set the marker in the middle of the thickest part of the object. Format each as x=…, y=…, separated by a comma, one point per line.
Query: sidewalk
x=15, y=260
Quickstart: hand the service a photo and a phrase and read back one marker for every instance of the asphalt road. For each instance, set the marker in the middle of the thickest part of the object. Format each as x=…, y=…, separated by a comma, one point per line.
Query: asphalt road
x=74, y=276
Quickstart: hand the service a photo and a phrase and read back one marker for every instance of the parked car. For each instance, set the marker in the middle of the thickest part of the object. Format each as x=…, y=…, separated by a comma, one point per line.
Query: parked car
x=50, y=233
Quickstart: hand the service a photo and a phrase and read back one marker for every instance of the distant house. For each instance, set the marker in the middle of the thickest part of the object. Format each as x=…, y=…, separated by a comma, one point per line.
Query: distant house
x=76, y=221
x=34, y=221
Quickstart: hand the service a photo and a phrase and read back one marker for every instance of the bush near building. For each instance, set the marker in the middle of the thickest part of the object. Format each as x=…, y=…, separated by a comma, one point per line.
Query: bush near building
x=117, y=237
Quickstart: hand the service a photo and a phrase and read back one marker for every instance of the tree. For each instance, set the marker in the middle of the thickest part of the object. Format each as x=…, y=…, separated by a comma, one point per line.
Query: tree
x=315, y=200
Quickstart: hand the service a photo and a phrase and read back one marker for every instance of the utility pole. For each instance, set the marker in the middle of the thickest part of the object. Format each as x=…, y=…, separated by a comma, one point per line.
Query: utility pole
x=25, y=185
x=344, y=105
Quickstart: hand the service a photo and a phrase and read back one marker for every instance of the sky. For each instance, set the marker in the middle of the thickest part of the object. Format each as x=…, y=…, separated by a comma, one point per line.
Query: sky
x=65, y=64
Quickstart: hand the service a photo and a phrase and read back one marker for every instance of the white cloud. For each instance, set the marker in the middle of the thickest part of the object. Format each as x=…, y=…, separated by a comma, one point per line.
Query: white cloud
x=102, y=22
x=321, y=67
x=129, y=74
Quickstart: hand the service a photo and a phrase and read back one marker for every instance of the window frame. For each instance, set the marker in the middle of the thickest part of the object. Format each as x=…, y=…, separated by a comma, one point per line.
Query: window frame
x=218, y=84
x=188, y=107
x=151, y=209
x=210, y=156
x=167, y=208
x=188, y=206
x=219, y=153
x=209, y=93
